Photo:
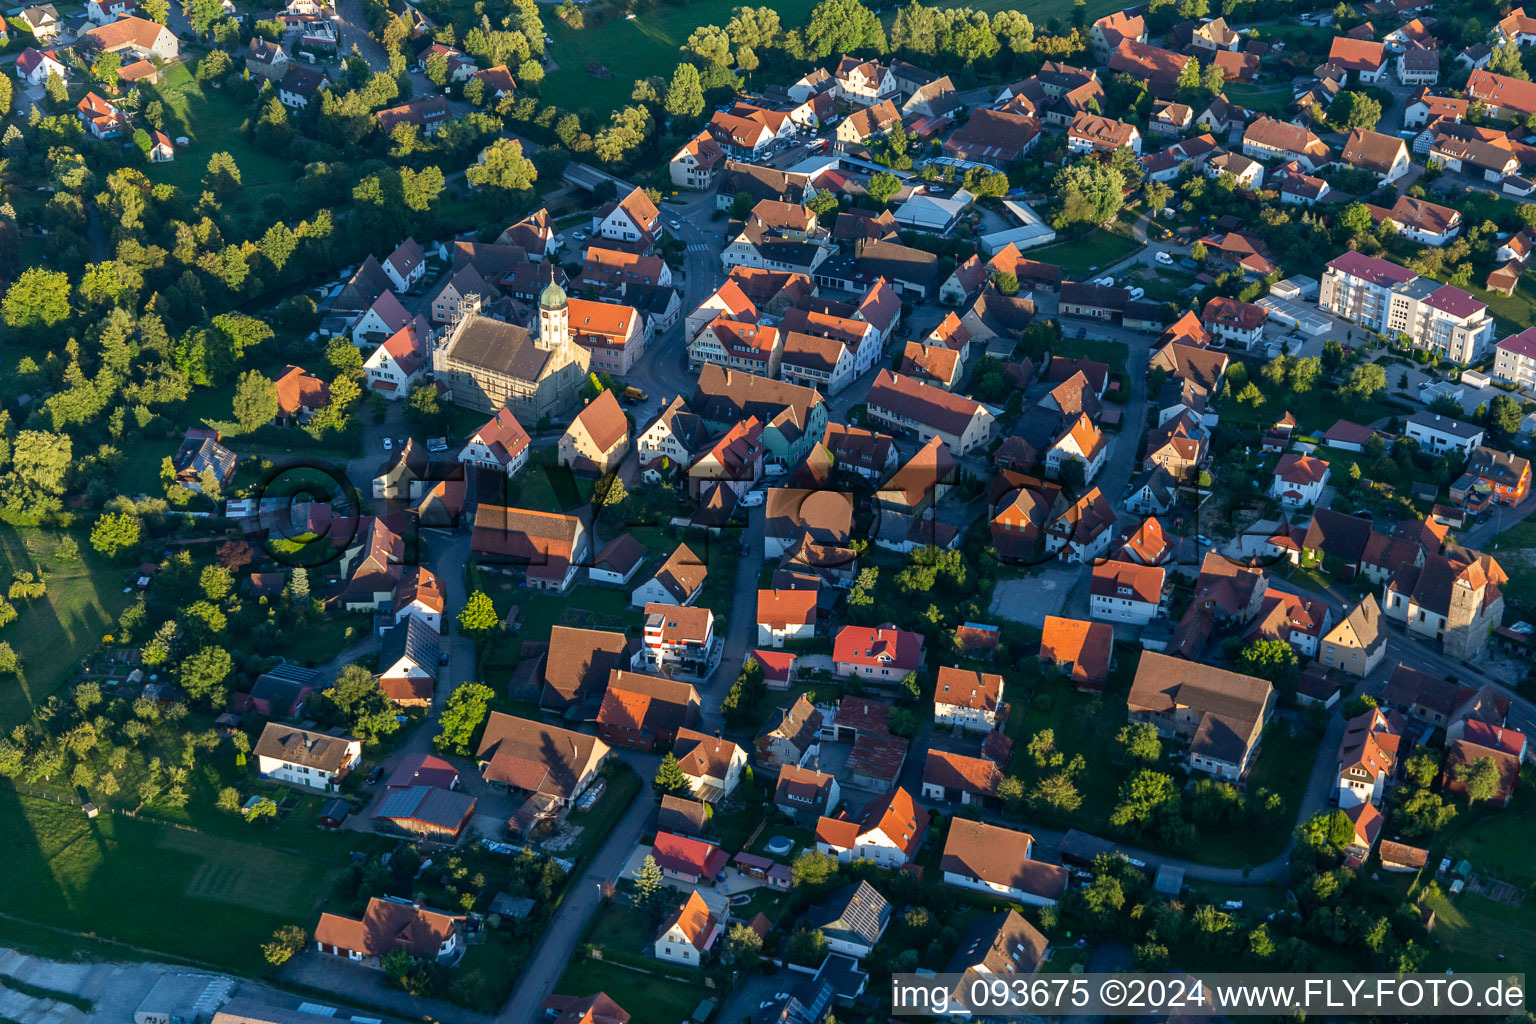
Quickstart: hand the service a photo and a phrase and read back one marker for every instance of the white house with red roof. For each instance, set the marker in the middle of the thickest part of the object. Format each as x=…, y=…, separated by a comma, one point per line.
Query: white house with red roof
x=864, y=81
x=879, y=654
x=685, y=859
x=406, y=265
x=33, y=66
x=631, y=219
x=1299, y=480
x=380, y=320
x=501, y=443
x=399, y=361
x=969, y=700
x=689, y=934
x=1368, y=757
x=726, y=301
x=420, y=595
x=888, y=832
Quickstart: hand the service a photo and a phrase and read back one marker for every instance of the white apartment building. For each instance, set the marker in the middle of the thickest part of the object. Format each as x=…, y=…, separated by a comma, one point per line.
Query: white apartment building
x=1393, y=300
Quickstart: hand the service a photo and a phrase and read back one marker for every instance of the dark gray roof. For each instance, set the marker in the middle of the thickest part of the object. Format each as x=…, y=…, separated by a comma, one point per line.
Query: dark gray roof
x=363, y=290
x=415, y=639
x=302, y=747
x=500, y=347
x=444, y=808
x=856, y=911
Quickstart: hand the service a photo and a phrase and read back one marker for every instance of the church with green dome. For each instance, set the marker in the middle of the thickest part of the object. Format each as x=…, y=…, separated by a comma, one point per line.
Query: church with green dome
x=489, y=364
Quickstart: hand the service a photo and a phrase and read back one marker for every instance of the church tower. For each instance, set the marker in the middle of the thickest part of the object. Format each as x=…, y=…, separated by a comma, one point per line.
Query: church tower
x=554, y=319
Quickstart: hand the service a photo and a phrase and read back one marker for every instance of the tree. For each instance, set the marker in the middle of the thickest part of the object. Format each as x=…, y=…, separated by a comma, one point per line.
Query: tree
x=1058, y=793
x=985, y=182
x=1328, y=830
x=1274, y=660
x=1424, y=813
x=1088, y=192
x=58, y=92
x=1144, y=798
x=345, y=358
x=685, y=96
x=223, y=174
x=255, y=402
x=1420, y=769
x=808, y=946
x=1104, y=896
x=1354, y=220
x=158, y=11
x=465, y=710
x=286, y=941
x=1506, y=60
x=813, y=868
x=437, y=69
x=1479, y=779
x=1141, y=742
x=357, y=697
x=38, y=298
x=1260, y=944
x=882, y=186
x=202, y=14
x=202, y=675
x=742, y=947
x=842, y=26
x=670, y=779
x=503, y=167
x=1351, y=109
x=115, y=532
x=1504, y=416
x=478, y=616
x=648, y=888
x=107, y=63
x=1365, y=381
x=1189, y=75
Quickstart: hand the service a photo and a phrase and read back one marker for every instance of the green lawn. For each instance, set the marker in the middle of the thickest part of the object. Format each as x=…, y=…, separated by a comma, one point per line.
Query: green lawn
x=54, y=632
x=1472, y=931
x=1114, y=354
x=212, y=121
x=1315, y=410
x=198, y=896
x=1517, y=310
x=1268, y=99
x=1284, y=766
x=1497, y=841
x=647, y=45
x=649, y=998
x=1094, y=251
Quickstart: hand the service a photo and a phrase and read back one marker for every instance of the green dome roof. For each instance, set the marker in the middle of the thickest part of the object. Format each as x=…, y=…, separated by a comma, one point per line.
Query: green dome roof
x=552, y=297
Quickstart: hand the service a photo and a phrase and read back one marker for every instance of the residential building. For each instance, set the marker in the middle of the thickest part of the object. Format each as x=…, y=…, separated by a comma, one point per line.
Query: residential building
x=633, y=218
x=552, y=765
x=286, y=753
x=1093, y=133
x=1299, y=480
x=1234, y=322
x=1368, y=756
x=1078, y=649
x=968, y=700
x=1507, y=99
x=687, y=860
x=792, y=736
x=1453, y=599
x=888, y=832
x=1441, y=435
x=999, y=862
x=1365, y=59
x=500, y=445
x=679, y=580
x=387, y=925
x=878, y=654
x=911, y=407
x=1222, y=714
x=408, y=662
x=785, y=615
x=1420, y=220
x=133, y=38
x=956, y=778
x=1392, y=299
x=794, y=417
x=680, y=640
x=1106, y=34
x=1492, y=476
x=1385, y=156
x=1126, y=591
x=689, y=934
x=597, y=439
x=1358, y=642
x=852, y=919
x=1514, y=360
x=805, y=794
x=549, y=548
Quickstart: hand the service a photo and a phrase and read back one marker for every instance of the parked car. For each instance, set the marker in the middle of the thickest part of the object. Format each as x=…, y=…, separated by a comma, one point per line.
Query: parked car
x=375, y=775
x=1166, y=259
x=752, y=499
x=388, y=444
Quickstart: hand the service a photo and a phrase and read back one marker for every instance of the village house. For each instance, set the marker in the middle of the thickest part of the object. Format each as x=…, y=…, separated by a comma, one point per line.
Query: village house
x=792, y=736
x=1126, y=591
x=852, y=919
x=1220, y=713
x=1078, y=649
x=388, y=924
x=999, y=862
x=877, y=654
x=299, y=757
x=408, y=662
x=909, y=406
x=1299, y=480
x=689, y=934
x=713, y=766
x=553, y=766
x=888, y=832
x=1358, y=642
x=549, y=548
x=1368, y=756
x=785, y=615
x=500, y=445
x=957, y=778
x=680, y=640
x=597, y=439
x=805, y=794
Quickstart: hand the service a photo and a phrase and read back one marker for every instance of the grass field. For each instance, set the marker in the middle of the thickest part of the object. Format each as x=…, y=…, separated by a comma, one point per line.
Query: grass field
x=1284, y=767
x=1094, y=251
x=648, y=45
x=212, y=121
x=649, y=998
x=190, y=895
x=54, y=632
x=1264, y=98
x=1471, y=932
